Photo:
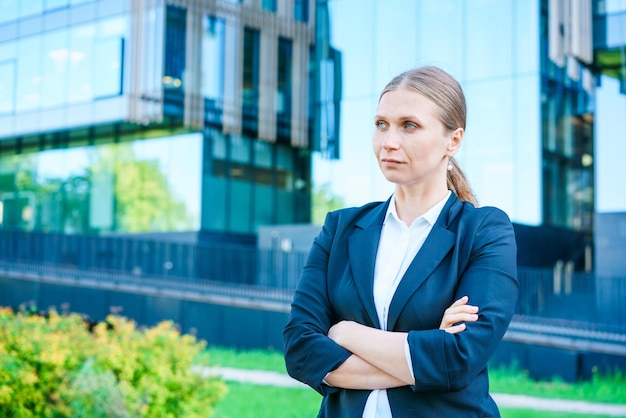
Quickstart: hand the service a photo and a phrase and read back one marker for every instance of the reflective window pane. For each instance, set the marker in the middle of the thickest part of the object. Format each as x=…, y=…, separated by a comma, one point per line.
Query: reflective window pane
x=108, y=68
x=31, y=7
x=251, y=63
x=30, y=76
x=284, y=88
x=70, y=65
x=7, y=86
x=301, y=10
x=80, y=81
x=141, y=186
x=55, y=68
x=9, y=10
x=269, y=5
x=240, y=149
x=55, y=4
x=213, y=58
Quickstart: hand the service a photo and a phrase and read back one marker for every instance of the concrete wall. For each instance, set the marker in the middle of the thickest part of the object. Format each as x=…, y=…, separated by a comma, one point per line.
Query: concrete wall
x=610, y=244
x=254, y=325
x=240, y=324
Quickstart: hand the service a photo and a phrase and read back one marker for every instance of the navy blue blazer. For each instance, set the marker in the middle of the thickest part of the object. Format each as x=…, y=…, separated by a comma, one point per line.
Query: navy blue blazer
x=470, y=251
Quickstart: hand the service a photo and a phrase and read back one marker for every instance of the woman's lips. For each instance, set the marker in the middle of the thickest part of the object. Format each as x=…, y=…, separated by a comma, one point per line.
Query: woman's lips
x=390, y=162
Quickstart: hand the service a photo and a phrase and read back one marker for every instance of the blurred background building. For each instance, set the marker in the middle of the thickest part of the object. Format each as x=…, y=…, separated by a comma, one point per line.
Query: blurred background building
x=185, y=117
x=158, y=142
x=535, y=74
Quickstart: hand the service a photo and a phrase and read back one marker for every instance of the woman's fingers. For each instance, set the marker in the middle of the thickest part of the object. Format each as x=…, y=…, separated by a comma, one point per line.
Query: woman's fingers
x=461, y=301
x=454, y=329
x=455, y=318
x=458, y=313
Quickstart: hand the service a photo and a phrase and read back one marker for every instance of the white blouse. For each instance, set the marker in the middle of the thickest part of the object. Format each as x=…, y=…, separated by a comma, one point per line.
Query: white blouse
x=398, y=246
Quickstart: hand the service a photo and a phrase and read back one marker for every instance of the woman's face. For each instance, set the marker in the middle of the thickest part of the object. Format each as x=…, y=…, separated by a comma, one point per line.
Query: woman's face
x=410, y=141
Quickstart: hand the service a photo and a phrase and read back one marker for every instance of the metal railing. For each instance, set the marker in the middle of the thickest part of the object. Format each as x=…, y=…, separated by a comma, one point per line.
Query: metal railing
x=222, y=262
x=548, y=298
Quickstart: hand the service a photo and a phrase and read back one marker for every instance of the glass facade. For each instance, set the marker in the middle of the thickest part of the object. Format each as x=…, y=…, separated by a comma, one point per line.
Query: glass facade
x=175, y=48
x=610, y=106
x=301, y=10
x=511, y=153
x=269, y=5
x=18, y=9
x=284, y=88
x=213, y=44
x=251, y=67
x=498, y=66
x=76, y=64
x=137, y=186
x=102, y=129
x=567, y=143
x=252, y=183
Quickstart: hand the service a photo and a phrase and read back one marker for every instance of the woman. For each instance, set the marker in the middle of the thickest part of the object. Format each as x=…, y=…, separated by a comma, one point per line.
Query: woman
x=401, y=303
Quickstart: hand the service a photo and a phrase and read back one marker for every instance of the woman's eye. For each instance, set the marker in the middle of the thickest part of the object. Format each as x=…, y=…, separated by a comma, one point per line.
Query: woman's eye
x=410, y=125
x=380, y=124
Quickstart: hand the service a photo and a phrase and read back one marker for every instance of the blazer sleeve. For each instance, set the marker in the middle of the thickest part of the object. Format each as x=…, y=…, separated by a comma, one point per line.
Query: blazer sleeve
x=309, y=353
x=450, y=362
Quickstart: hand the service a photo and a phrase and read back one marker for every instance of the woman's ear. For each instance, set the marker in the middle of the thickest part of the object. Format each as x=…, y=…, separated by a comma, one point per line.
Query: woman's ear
x=455, y=141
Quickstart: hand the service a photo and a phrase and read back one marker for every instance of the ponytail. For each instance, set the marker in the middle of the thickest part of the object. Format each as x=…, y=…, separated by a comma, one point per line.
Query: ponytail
x=457, y=182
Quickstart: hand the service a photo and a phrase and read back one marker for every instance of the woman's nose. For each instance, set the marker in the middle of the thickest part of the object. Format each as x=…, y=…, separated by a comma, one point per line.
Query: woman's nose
x=390, y=140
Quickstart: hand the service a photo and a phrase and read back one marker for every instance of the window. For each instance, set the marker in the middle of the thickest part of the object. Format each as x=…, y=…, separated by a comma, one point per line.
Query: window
x=9, y=10
x=301, y=10
x=69, y=65
x=56, y=57
x=285, y=58
x=213, y=62
x=17, y=9
x=30, y=74
x=31, y=7
x=175, y=47
x=251, y=65
x=269, y=5
x=55, y=4
x=80, y=80
x=284, y=87
x=108, y=67
x=7, y=86
x=104, y=187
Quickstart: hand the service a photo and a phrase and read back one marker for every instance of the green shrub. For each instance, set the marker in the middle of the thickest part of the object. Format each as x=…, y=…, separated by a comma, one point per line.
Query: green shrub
x=55, y=366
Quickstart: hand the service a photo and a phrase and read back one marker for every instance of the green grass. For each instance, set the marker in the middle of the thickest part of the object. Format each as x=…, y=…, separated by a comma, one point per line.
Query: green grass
x=247, y=400
x=607, y=389
x=248, y=359
x=527, y=413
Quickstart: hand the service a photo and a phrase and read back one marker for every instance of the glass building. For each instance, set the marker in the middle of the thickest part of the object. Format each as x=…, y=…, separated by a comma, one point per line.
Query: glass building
x=528, y=70
x=121, y=116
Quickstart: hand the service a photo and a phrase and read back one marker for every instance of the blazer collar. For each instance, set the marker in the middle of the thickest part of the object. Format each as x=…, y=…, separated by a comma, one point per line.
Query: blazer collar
x=362, y=248
x=363, y=245
x=438, y=243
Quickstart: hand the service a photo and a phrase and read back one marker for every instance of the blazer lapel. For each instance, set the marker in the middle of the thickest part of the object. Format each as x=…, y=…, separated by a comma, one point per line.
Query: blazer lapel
x=437, y=245
x=362, y=248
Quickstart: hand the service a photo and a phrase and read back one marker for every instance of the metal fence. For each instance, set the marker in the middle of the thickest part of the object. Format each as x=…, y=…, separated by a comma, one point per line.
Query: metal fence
x=557, y=297
x=583, y=301
x=220, y=262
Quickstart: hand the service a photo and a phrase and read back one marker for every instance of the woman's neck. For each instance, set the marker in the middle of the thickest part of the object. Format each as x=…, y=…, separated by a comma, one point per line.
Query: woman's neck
x=411, y=203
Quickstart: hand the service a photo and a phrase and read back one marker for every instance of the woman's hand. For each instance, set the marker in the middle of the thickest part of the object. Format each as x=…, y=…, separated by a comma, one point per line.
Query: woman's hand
x=455, y=317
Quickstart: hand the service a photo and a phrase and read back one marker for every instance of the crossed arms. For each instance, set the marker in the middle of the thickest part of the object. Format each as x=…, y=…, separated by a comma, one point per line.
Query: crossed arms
x=379, y=359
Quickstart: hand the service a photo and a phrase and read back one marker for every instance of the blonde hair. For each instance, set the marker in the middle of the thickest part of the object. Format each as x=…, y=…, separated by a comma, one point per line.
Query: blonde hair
x=442, y=89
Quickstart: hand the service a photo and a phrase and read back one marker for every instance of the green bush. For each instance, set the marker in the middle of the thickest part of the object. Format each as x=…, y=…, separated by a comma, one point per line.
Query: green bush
x=55, y=366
